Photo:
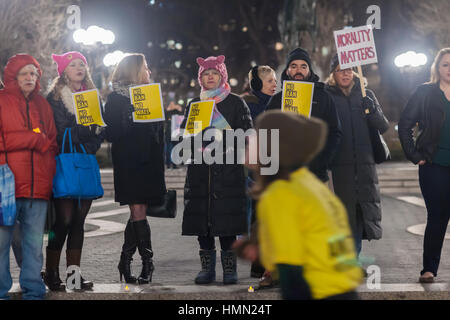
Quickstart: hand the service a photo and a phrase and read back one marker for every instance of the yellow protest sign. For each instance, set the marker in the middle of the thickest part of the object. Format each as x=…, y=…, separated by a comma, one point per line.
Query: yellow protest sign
x=297, y=97
x=87, y=108
x=199, y=117
x=147, y=101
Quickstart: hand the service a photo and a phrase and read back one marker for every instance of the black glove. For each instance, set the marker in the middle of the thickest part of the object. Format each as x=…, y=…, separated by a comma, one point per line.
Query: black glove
x=82, y=132
x=368, y=105
x=130, y=111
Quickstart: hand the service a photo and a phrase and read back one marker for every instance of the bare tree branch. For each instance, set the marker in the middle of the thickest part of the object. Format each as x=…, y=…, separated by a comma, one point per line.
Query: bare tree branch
x=36, y=27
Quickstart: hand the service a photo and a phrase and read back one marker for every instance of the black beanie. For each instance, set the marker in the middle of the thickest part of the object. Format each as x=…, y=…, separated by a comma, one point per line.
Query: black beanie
x=298, y=54
x=334, y=63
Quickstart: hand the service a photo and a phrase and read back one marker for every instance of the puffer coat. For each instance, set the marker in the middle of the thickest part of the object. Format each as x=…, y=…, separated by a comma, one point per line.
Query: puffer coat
x=215, y=200
x=355, y=177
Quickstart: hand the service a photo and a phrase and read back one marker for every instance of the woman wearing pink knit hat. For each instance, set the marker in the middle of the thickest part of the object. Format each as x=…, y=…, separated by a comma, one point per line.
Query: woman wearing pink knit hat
x=215, y=196
x=73, y=76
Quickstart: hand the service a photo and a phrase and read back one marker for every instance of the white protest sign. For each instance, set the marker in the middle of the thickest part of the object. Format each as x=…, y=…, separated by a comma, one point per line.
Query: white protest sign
x=355, y=46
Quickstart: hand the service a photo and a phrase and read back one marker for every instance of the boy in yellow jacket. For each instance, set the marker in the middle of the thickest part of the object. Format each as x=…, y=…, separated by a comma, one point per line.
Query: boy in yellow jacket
x=303, y=229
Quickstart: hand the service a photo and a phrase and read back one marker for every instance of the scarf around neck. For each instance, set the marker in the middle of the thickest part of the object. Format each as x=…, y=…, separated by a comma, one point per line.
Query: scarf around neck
x=218, y=95
x=123, y=90
x=66, y=97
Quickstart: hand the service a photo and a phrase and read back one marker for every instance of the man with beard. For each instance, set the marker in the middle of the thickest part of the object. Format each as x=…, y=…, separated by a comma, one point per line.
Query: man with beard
x=298, y=68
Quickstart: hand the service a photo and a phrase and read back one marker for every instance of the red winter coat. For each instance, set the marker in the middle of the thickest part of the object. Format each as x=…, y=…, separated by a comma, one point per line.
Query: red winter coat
x=31, y=155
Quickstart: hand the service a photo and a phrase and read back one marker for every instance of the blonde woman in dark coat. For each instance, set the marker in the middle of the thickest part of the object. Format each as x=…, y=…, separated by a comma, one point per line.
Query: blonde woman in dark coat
x=355, y=178
x=138, y=161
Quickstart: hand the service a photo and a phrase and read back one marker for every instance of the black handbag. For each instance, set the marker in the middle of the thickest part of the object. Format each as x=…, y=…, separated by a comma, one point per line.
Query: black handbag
x=380, y=149
x=167, y=208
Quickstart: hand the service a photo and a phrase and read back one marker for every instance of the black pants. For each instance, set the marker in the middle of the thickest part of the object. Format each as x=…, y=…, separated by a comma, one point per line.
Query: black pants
x=69, y=223
x=208, y=243
x=435, y=185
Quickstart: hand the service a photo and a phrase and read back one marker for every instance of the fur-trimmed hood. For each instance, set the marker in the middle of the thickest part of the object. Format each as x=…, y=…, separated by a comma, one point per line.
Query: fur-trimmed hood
x=67, y=99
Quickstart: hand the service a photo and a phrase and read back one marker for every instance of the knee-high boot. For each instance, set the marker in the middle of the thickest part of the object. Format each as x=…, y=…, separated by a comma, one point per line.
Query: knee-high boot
x=128, y=249
x=144, y=245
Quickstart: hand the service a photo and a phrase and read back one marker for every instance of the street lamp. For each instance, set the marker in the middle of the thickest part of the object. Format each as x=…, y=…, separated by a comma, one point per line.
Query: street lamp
x=410, y=59
x=92, y=35
x=113, y=58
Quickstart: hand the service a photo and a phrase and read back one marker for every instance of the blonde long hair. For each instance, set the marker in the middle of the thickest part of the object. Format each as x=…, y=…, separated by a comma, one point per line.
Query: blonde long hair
x=129, y=69
x=61, y=81
x=435, y=77
x=331, y=81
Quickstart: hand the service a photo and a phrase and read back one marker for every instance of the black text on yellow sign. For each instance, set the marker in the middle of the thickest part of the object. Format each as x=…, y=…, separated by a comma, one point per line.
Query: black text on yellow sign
x=87, y=108
x=297, y=97
x=147, y=102
x=199, y=117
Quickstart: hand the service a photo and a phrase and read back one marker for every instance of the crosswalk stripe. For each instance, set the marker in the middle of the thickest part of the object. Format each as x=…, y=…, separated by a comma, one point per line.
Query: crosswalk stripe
x=96, y=204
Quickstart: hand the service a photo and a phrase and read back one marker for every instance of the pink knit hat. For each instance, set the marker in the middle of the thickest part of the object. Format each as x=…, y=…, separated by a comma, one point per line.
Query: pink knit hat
x=63, y=60
x=216, y=63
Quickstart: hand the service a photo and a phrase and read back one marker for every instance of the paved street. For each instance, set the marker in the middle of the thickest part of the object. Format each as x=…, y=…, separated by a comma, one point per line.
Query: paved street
x=398, y=254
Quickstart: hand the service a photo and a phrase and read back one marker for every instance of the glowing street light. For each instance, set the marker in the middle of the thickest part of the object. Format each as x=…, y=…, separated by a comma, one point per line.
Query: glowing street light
x=92, y=35
x=410, y=59
x=113, y=58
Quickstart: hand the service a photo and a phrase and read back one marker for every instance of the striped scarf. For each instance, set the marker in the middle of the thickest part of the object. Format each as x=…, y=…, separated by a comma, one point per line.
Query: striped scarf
x=218, y=95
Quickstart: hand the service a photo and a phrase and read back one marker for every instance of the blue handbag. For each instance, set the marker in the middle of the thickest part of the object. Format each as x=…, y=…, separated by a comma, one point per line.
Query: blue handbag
x=77, y=174
x=7, y=193
x=7, y=196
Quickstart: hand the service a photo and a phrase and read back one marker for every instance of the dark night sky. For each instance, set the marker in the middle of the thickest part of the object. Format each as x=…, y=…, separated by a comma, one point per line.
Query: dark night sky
x=124, y=18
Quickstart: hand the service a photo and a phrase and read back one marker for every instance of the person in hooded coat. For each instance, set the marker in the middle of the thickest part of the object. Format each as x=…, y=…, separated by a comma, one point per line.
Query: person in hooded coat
x=303, y=231
x=28, y=145
x=215, y=195
x=355, y=179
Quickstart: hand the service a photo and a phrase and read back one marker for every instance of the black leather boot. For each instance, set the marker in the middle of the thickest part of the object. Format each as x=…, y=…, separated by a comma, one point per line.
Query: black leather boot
x=144, y=244
x=128, y=249
x=51, y=275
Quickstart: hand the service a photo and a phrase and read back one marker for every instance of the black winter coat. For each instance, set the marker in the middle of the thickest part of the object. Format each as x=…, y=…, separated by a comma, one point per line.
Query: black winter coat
x=425, y=107
x=215, y=202
x=137, y=154
x=322, y=108
x=256, y=102
x=355, y=177
x=80, y=134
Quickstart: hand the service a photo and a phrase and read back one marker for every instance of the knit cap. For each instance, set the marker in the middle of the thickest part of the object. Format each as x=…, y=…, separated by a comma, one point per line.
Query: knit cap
x=334, y=63
x=212, y=62
x=63, y=60
x=298, y=54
